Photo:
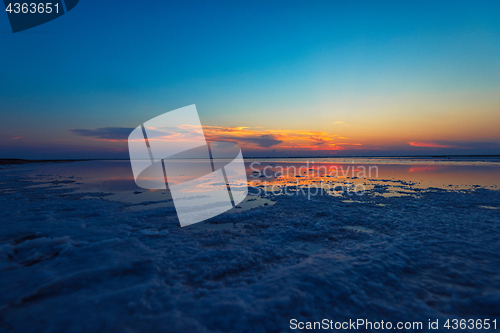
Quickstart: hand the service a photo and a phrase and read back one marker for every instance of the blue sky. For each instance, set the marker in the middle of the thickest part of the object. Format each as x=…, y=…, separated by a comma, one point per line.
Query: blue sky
x=378, y=74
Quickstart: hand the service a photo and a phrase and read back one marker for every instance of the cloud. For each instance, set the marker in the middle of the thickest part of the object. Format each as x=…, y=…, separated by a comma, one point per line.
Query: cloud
x=285, y=140
x=105, y=133
x=465, y=147
x=9, y=137
x=319, y=140
x=264, y=141
x=429, y=145
x=246, y=137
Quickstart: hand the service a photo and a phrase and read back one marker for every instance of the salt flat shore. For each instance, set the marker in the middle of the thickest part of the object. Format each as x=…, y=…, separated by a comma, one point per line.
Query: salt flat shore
x=73, y=261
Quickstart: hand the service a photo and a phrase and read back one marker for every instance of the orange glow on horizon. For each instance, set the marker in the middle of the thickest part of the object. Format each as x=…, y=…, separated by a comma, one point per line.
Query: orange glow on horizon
x=423, y=168
x=271, y=141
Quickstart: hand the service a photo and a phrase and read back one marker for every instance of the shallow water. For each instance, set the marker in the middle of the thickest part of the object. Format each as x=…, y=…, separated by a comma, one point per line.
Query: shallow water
x=388, y=177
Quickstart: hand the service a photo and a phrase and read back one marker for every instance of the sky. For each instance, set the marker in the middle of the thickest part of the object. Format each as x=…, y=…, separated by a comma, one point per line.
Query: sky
x=280, y=78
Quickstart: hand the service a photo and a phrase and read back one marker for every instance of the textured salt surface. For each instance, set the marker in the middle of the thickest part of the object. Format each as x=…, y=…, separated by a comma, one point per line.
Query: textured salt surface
x=73, y=262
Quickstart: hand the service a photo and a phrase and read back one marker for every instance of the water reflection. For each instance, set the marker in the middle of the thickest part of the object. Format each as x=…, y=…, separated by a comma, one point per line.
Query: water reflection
x=113, y=180
x=387, y=178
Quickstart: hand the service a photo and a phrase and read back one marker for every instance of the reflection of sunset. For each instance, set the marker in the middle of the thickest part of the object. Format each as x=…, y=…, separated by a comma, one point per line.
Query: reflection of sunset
x=284, y=173
x=423, y=168
x=331, y=177
x=277, y=175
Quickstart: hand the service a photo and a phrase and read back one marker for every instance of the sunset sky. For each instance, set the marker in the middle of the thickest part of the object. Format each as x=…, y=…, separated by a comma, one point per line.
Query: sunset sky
x=281, y=78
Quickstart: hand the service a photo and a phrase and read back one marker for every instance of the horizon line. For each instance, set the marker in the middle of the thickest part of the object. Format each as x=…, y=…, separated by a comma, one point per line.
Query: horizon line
x=266, y=157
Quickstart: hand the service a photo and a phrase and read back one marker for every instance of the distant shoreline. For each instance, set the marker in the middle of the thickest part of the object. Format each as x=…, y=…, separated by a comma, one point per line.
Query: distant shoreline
x=19, y=161
x=394, y=156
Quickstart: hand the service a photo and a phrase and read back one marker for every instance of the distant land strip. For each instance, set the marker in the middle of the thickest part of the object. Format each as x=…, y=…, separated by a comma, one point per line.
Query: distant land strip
x=11, y=161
